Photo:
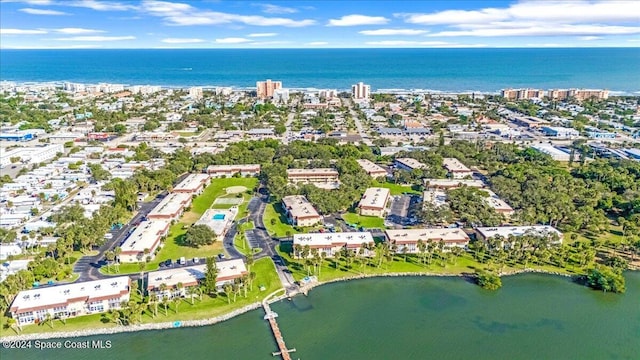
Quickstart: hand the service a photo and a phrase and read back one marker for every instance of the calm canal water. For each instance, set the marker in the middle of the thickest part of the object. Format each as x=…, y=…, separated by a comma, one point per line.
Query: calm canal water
x=531, y=317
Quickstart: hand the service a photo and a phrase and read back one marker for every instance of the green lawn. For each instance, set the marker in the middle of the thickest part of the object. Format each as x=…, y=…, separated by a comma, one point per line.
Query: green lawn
x=368, y=222
x=281, y=227
x=207, y=308
x=397, y=189
x=216, y=189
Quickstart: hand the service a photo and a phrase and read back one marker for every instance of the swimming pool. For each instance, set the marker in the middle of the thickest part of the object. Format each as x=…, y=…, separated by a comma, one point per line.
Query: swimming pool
x=218, y=217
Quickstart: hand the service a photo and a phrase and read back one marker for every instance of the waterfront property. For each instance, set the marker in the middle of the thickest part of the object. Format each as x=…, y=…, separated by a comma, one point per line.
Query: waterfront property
x=193, y=184
x=375, y=171
x=218, y=220
x=144, y=241
x=218, y=171
x=325, y=178
x=374, y=202
x=456, y=169
x=451, y=183
x=69, y=300
x=408, y=238
x=505, y=232
x=171, y=207
x=328, y=244
x=408, y=164
x=300, y=212
x=189, y=276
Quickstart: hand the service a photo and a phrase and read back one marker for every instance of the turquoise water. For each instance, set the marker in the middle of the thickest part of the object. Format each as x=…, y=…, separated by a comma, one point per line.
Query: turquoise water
x=487, y=70
x=218, y=217
x=531, y=317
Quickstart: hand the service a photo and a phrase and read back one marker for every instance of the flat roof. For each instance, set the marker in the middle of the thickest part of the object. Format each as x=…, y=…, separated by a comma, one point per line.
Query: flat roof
x=370, y=167
x=333, y=239
x=413, y=235
x=62, y=295
x=299, y=206
x=411, y=163
x=189, y=275
x=240, y=167
x=435, y=197
x=495, y=202
x=192, y=182
x=170, y=204
x=316, y=171
x=374, y=197
x=454, y=165
x=453, y=183
x=549, y=149
x=145, y=236
x=505, y=231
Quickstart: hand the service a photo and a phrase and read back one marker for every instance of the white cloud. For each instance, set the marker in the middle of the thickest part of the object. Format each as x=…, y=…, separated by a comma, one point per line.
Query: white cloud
x=182, y=40
x=317, y=43
x=161, y=8
x=232, y=40
x=262, y=34
x=355, y=20
x=276, y=9
x=407, y=43
x=384, y=32
x=30, y=2
x=42, y=12
x=268, y=43
x=100, y=5
x=75, y=46
x=22, y=31
x=97, y=38
x=537, y=18
x=590, y=38
x=541, y=30
x=76, y=31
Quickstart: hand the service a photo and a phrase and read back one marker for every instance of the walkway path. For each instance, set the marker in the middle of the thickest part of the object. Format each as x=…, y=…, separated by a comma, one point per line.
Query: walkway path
x=271, y=317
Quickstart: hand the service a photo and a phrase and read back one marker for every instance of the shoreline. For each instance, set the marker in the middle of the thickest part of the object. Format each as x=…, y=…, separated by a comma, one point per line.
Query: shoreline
x=224, y=317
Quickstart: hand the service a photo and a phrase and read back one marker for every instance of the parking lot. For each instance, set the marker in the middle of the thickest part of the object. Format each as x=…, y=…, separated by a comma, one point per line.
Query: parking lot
x=252, y=239
x=403, y=209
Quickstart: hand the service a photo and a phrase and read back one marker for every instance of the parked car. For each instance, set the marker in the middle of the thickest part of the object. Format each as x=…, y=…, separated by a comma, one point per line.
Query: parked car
x=182, y=261
x=196, y=260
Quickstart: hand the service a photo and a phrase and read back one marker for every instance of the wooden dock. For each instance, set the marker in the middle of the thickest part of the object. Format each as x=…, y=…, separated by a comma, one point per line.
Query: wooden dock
x=271, y=317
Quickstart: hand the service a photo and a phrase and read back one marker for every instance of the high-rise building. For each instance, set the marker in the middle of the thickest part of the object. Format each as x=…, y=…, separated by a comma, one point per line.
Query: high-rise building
x=360, y=91
x=578, y=94
x=522, y=94
x=195, y=92
x=265, y=89
x=281, y=95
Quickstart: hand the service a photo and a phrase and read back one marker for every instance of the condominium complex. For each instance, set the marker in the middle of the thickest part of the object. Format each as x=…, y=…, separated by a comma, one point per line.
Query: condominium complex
x=300, y=212
x=265, y=89
x=522, y=94
x=504, y=232
x=372, y=169
x=190, y=276
x=218, y=171
x=330, y=244
x=69, y=300
x=144, y=241
x=578, y=94
x=408, y=164
x=321, y=177
x=195, y=93
x=408, y=238
x=360, y=91
x=452, y=183
x=171, y=207
x=456, y=169
x=374, y=202
x=193, y=184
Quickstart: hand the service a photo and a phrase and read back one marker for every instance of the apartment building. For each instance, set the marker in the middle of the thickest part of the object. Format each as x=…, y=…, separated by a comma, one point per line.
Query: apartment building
x=218, y=171
x=265, y=89
x=452, y=183
x=578, y=94
x=193, y=184
x=522, y=94
x=505, y=232
x=190, y=276
x=408, y=164
x=299, y=211
x=70, y=300
x=375, y=171
x=408, y=238
x=374, y=202
x=328, y=244
x=321, y=177
x=144, y=241
x=171, y=207
x=360, y=91
x=456, y=169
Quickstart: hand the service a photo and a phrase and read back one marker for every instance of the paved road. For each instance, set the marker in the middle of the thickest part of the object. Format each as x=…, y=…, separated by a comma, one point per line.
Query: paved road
x=88, y=266
x=363, y=134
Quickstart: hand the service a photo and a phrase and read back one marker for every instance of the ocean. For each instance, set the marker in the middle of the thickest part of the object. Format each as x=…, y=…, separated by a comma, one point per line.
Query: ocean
x=532, y=316
x=447, y=70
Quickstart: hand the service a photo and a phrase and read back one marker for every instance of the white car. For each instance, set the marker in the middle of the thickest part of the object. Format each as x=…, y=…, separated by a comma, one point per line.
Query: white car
x=108, y=236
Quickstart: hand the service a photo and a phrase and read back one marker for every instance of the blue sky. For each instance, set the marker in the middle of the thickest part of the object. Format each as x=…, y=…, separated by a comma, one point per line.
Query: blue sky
x=317, y=24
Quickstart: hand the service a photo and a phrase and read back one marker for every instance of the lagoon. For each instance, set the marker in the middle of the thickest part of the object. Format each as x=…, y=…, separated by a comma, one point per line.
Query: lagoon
x=533, y=316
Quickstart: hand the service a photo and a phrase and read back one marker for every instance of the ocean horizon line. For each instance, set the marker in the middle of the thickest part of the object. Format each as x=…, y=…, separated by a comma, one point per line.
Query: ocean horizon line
x=326, y=48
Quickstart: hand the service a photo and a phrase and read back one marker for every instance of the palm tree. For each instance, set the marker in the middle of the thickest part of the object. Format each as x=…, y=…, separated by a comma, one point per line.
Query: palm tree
x=179, y=287
x=11, y=323
x=191, y=291
x=176, y=302
x=165, y=303
x=142, y=266
x=48, y=319
x=227, y=291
